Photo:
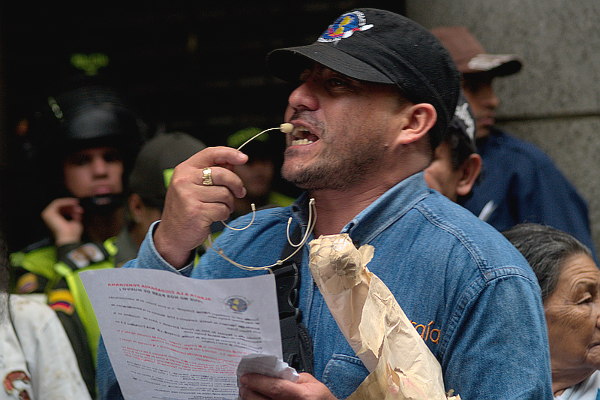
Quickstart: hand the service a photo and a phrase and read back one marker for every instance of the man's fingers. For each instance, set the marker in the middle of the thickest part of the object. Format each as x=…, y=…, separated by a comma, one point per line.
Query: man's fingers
x=267, y=386
x=306, y=388
x=219, y=155
x=209, y=168
x=219, y=176
x=216, y=203
x=62, y=206
x=195, y=200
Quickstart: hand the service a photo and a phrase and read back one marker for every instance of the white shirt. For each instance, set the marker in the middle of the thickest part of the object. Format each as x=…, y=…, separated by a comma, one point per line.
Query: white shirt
x=36, y=355
x=586, y=390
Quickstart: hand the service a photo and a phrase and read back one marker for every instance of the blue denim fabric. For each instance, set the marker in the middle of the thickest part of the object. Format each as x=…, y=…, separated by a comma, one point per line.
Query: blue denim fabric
x=525, y=185
x=467, y=290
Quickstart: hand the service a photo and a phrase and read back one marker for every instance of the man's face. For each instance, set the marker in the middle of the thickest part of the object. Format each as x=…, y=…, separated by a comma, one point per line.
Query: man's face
x=440, y=175
x=343, y=128
x=94, y=172
x=482, y=98
x=573, y=317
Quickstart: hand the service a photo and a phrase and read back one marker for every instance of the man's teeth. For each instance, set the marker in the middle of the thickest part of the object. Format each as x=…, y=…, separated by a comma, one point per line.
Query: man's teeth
x=301, y=141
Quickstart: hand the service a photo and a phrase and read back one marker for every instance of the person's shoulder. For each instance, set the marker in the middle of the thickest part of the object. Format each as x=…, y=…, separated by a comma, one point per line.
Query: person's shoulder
x=18, y=302
x=33, y=267
x=461, y=231
x=443, y=211
x=40, y=253
x=30, y=311
x=42, y=246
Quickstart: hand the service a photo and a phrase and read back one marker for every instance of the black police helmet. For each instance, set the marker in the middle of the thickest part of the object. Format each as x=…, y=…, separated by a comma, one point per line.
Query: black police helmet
x=92, y=116
x=83, y=117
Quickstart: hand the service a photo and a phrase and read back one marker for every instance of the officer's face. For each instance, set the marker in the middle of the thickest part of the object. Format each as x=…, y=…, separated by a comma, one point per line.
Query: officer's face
x=94, y=172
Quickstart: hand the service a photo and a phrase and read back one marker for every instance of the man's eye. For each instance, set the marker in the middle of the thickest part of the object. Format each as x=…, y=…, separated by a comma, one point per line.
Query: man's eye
x=336, y=82
x=112, y=156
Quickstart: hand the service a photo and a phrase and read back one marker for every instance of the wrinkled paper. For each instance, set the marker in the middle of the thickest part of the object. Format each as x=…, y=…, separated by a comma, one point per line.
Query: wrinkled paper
x=401, y=365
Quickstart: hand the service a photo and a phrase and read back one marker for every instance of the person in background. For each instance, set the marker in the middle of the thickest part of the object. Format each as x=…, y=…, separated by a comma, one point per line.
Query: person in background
x=570, y=282
x=456, y=165
x=373, y=98
x=36, y=357
x=520, y=183
x=147, y=187
x=87, y=137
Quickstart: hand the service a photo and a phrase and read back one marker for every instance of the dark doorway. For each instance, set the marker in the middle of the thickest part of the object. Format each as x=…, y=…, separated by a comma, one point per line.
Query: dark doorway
x=186, y=65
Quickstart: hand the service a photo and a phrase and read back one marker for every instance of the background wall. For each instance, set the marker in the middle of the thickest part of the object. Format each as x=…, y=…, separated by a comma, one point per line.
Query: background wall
x=554, y=101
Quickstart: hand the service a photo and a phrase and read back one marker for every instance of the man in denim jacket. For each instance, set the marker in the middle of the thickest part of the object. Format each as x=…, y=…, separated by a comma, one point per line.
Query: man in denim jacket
x=375, y=94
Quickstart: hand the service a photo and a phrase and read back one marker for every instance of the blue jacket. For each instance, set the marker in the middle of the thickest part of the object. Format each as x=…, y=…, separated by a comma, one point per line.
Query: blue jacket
x=520, y=183
x=467, y=290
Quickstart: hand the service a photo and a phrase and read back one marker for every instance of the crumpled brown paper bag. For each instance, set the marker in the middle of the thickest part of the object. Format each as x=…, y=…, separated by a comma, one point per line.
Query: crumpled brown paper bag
x=401, y=365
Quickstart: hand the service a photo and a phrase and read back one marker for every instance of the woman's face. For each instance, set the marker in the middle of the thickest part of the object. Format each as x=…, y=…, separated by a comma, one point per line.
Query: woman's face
x=573, y=316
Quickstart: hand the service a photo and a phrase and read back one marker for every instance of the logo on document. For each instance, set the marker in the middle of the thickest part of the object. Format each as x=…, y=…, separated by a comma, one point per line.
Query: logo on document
x=237, y=304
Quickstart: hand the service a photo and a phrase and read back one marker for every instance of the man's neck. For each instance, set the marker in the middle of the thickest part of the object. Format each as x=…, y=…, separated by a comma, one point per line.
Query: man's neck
x=336, y=208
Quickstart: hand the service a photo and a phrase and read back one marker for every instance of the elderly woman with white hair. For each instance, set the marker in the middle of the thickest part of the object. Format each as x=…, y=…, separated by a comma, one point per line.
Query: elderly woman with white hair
x=570, y=283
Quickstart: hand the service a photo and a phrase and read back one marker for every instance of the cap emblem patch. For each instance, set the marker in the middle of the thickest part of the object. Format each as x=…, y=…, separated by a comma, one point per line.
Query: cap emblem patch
x=345, y=26
x=462, y=112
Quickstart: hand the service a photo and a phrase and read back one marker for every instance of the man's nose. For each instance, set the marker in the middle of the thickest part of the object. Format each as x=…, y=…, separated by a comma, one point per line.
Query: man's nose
x=490, y=99
x=99, y=166
x=303, y=97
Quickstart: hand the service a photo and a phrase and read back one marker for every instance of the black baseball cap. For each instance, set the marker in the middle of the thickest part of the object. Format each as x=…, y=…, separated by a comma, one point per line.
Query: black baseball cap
x=380, y=46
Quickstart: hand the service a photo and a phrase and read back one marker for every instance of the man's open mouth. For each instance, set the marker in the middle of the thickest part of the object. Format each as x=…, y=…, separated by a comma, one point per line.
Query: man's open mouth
x=301, y=136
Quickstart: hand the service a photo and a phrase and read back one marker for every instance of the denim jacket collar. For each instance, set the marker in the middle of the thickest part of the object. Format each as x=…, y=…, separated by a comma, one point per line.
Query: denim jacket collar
x=380, y=214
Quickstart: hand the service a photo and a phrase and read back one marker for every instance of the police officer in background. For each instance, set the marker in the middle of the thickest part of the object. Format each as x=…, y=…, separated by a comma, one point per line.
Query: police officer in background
x=87, y=139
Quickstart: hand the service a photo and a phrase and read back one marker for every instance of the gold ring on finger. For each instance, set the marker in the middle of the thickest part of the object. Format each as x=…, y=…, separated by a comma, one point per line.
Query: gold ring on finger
x=207, y=177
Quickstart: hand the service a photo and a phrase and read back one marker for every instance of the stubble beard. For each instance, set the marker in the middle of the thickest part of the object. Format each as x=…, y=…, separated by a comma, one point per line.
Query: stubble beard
x=334, y=170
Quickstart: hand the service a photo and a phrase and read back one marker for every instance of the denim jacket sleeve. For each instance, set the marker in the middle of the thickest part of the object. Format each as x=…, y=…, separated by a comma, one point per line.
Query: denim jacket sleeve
x=499, y=345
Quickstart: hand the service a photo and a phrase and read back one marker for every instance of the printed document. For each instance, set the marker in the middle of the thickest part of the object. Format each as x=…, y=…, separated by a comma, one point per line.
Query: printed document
x=173, y=337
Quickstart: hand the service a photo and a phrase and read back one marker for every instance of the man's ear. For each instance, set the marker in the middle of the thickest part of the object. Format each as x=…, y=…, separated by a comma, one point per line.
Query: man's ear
x=420, y=118
x=470, y=168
